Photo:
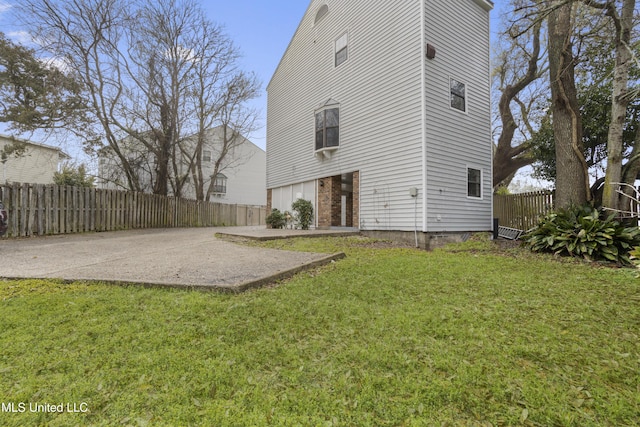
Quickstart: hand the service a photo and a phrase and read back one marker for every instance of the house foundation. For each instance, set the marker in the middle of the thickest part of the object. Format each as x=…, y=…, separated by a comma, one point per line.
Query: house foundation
x=426, y=241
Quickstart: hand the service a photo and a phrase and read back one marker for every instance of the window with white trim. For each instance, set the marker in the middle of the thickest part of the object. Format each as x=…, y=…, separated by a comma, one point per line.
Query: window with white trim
x=327, y=128
x=220, y=184
x=474, y=183
x=341, y=47
x=458, y=92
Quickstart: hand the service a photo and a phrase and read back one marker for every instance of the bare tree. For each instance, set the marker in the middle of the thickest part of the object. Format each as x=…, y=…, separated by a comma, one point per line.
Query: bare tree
x=220, y=92
x=140, y=63
x=518, y=66
x=235, y=120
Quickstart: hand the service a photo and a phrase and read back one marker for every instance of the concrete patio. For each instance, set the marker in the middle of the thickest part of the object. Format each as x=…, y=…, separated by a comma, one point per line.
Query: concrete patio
x=181, y=257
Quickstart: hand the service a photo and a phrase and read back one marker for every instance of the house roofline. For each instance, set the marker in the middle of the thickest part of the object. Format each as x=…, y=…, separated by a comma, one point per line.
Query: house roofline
x=241, y=135
x=289, y=45
x=35, y=144
x=485, y=4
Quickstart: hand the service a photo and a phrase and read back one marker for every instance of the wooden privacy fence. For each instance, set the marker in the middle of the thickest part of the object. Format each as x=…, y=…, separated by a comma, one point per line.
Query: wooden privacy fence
x=36, y=209
x=522, y=211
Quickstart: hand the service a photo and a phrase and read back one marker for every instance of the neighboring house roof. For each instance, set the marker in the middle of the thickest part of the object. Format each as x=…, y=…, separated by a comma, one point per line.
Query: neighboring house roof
x=36, y=165
x=10, y=139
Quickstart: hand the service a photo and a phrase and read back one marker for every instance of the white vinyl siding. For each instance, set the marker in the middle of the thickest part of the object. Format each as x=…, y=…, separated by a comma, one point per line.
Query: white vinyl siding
x=456, y=141
x=378, y=89
x=37, y=165
x=382, y=121
x=283, y=197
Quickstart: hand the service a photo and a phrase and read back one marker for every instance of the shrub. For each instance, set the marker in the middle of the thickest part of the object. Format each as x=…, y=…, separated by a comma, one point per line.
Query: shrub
x=276, y=219
x=304, y=213
x=584, y=232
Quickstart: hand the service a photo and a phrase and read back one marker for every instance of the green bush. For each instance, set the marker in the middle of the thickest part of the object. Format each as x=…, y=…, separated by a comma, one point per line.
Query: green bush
x=584, y=232
x=276, y=219
x=304, y=213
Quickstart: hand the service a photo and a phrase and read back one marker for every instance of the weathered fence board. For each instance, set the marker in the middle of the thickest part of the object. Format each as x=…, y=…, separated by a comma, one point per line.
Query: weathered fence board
x=36, y=209
x=522, y=211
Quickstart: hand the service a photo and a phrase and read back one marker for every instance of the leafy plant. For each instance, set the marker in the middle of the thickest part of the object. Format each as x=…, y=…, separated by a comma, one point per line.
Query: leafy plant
x=74, y=176
x=635, y=256
x=584, y=232
x=304, y=213
x=276, y=219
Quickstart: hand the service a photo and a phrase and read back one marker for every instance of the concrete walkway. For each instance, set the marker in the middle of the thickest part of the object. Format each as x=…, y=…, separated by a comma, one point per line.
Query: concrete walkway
x=184, y=257
x=261, y=233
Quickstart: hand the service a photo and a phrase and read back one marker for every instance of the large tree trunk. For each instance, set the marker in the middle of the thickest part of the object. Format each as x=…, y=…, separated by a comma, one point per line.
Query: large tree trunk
x=572, y=179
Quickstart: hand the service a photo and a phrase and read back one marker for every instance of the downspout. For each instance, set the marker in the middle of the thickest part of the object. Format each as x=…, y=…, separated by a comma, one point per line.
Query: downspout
x=423, y=95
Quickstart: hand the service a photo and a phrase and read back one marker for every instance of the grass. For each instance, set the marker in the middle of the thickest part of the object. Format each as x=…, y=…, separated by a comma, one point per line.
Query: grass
x=470, y=335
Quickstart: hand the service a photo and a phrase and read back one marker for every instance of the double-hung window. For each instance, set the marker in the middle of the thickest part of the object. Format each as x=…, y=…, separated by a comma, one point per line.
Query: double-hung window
x=220, y=184
x=341, y=49
x=474, y=183
x=327, y=128
x=458, y=95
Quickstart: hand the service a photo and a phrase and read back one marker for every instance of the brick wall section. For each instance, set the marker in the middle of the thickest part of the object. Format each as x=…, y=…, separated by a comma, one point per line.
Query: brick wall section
x=336, y=201
x=269, y=203
x=324, y=203
x=329, y=201
x=356, y=200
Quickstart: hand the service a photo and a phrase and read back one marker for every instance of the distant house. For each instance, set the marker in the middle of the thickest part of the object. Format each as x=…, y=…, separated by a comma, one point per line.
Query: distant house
x=34, y=163
x=379, y=114
x=241, y=177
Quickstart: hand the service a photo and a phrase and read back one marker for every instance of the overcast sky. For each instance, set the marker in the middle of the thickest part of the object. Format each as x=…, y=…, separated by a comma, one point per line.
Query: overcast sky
x=260, y=29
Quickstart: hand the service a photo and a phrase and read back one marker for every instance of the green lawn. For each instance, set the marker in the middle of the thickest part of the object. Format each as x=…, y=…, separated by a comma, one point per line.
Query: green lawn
x=470, y=335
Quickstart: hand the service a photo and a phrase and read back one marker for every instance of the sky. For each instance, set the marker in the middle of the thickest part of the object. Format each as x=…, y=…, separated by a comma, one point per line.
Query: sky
x=260, y=29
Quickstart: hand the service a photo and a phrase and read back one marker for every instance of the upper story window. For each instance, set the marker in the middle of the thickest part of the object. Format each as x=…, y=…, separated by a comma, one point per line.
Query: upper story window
x=321, y=13
x=220, y=184
x=474, y=183
x=341, y=47
x=458, y=95
x=206, y=155
x=327, y=128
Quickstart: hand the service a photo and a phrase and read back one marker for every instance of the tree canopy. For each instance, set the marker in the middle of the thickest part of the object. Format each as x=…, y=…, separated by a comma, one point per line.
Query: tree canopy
x=35, y=94
x=579, y=122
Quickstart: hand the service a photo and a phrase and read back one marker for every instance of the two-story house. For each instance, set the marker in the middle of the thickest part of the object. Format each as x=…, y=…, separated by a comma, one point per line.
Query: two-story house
x=379, y=114
x=239, y=177
x=29, y=162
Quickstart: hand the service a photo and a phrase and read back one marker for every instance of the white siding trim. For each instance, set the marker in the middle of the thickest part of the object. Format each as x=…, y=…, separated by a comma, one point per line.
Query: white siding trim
x=478, y=168
x=466, y=94
x=485, y=4
x=423, y=90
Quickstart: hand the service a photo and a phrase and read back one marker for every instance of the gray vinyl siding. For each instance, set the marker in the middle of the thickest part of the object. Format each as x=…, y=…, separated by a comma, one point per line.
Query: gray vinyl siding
x=379, y=92
x=385, y=133
x=457, y=140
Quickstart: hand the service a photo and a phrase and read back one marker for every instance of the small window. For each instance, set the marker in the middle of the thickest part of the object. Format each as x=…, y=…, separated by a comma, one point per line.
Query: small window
x=322, y=12
x=206, y=156
x=327, y=128
x=341, y=49
x=220, y=184
x=474, y=183
x=458, y=95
